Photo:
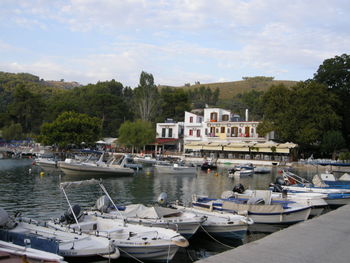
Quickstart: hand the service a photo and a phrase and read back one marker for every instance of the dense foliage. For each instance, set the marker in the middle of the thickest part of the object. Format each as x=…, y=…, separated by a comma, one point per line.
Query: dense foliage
x=314, y=113
x=71, y=129
x=136, y=134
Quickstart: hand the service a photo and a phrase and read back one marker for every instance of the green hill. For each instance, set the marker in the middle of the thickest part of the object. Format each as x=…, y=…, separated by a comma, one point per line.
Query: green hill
x=230, y=89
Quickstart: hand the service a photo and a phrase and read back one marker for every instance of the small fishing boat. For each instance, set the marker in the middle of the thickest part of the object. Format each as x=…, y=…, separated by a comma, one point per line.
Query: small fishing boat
x=10, y=252
x=219, y=223
x=67, y=244
x=330, y=180
x=134, y=241
x=336, y=196
x=315, y=200
x=184, y=222
x=262, y=170
x=261, y=209
x=175, y=168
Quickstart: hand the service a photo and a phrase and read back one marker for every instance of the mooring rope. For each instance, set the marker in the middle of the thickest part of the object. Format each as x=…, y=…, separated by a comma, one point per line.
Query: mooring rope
x=215, y=238
x=130, y=255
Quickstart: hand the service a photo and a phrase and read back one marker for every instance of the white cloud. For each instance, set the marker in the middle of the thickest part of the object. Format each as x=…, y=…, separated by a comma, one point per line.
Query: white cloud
x=181, y=40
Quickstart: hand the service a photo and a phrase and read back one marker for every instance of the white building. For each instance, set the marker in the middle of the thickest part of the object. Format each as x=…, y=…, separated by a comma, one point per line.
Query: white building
x=217, y=133
x=169, y=135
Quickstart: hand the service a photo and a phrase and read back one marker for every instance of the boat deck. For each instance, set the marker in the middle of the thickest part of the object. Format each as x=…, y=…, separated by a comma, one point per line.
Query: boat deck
x=322, y=239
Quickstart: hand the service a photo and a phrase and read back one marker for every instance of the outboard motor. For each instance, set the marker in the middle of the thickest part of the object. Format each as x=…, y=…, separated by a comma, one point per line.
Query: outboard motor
x=277, y=188
x=103, y=204
x=68, y=215
x=4, y=217
x=162, y=198
x=280, y=180
x=238, y=188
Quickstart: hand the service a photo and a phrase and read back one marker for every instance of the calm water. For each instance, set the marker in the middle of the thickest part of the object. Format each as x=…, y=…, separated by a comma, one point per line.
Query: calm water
x=24, y=189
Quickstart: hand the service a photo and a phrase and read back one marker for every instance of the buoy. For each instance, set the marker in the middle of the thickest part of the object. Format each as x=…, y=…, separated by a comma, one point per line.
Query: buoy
x=208, y=170
x=148, y=173
x=30, y=170
x=41, y=173
x=216, y=174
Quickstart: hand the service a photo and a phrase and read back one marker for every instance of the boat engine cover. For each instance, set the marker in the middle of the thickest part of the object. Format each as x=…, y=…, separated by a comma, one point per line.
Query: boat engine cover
x=238, y=188
x=68, y=215
x=103, y=204
x=162, y=198
x=4, y=217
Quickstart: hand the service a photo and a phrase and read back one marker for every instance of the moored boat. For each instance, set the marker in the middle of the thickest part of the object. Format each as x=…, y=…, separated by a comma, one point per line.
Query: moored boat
x=113, y=167
x=261, y=209
x=135, y=241
x=220, y=224
x=175, y=169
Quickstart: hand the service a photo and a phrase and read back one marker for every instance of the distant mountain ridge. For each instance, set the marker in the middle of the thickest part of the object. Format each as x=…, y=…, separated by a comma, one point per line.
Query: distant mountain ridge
x=10, y=79
x=230, y=89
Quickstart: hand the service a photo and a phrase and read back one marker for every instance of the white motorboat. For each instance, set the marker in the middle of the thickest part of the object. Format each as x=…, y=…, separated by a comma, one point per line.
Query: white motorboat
x=113, y=167
x=66, y=244
x=295, y=184
x=262, y=170
x=261, y=209
x=315, y=200
x=243, y=172
x=186, y=223
x=135, y=241
x=46, y=161
x=9, y=252
x=219, y=223
x=175, y=169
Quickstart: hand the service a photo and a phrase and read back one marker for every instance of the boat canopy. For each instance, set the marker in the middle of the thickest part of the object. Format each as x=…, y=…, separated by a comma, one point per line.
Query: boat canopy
x=66, y=185
x=142, y=211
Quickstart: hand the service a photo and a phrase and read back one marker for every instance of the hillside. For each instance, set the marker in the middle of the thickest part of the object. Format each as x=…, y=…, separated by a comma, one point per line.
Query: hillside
x=230, y=89
x=11, y=80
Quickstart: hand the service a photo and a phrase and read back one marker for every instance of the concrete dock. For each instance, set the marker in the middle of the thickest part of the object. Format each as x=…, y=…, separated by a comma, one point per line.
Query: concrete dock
x=322, y=239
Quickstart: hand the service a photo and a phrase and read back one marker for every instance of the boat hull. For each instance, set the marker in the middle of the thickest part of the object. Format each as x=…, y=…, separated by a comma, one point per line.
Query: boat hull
x=155, y=253
x=71, y=169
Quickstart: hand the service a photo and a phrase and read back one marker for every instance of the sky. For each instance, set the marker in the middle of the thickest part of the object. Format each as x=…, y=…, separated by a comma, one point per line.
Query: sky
x=177, y=41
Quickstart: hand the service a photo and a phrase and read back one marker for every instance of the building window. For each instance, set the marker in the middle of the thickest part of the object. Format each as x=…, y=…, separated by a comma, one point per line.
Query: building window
x=163, y=132
x=225, y=117
x=191, y=119
x=206, y=131
x=213, y=116
x=222, y=129
x=190, y=132
x=170, y=132
x=198, y=133
x=234, y=131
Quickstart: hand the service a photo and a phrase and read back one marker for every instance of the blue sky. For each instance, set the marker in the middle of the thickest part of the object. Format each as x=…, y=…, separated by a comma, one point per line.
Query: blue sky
x=178, y=41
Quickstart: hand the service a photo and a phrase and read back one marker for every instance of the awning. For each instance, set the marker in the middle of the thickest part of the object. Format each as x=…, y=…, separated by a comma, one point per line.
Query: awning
x=212, y=146
x=193, y=146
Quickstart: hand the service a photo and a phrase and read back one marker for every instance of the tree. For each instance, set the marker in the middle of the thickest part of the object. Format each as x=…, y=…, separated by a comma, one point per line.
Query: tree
x=70, y=128
x=136, y=134
x=146, y=97
x=12, y=132
x=332, y=141
x=203, y=95
x=301, y=114
x=174, y=102
x=26, y=108
x=335, y=73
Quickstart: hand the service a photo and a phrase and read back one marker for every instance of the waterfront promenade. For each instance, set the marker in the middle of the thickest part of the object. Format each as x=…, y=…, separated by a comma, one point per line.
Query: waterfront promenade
x=324, y=239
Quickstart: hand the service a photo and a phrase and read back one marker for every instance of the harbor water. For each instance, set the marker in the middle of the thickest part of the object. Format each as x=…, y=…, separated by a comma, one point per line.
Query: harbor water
x=35, y=193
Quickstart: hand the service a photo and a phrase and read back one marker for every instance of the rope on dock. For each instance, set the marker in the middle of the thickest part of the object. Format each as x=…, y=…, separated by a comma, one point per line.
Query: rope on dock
x=215, y=238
